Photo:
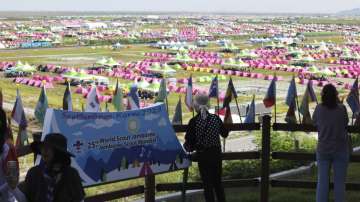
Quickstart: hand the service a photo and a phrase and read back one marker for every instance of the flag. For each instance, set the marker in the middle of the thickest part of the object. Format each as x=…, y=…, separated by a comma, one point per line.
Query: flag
x=177, y=119
x=290, y=101
x=41, y=106
x=106, y=107
x=67, y=100
x=188, y=96
x=82, y=107
x=270, y=97
x=162, y=93
x=18, y=113
x=250, y=116
x=22, y=137
x=290, y=116
x=230, y=94
x=117, y=100
x=214, y=88
x=292, y=93
x=92, y=101
x=309, y=96
x=133, y=98
x=228, y=117
x=353, y=98
x=1, y=99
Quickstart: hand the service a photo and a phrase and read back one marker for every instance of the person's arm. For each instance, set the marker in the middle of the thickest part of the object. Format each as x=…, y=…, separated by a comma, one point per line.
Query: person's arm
x=224, y=132
x=190, y=137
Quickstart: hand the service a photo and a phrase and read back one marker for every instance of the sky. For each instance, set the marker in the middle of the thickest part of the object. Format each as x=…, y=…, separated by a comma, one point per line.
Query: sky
x=261, y=6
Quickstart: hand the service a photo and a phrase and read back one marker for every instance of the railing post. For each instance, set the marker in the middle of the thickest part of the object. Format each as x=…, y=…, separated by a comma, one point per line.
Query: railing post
x=185, y=180
x=150, y=188
x=265, y=158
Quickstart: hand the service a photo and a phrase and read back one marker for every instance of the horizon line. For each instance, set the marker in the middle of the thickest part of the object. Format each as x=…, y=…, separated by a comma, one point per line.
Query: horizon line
x=170, y=11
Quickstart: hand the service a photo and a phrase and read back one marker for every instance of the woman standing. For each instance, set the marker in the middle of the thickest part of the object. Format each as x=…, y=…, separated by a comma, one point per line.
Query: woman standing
x=202, y=136
x=7, y=153
x=331, y=119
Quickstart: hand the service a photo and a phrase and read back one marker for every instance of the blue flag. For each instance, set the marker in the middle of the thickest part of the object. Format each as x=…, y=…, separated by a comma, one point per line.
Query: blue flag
x=214, y=88
x=250, y=116
x=292, y=93
x=353, y=98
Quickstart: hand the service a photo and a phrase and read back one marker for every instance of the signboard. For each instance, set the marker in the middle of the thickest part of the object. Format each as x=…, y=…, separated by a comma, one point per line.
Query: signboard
x=113, y=146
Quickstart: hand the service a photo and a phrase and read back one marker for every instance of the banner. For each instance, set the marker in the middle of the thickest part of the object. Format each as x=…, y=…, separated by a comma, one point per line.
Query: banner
x=113, y=146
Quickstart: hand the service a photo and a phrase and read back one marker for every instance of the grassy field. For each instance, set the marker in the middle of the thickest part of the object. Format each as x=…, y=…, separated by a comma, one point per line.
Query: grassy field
x=285, y=194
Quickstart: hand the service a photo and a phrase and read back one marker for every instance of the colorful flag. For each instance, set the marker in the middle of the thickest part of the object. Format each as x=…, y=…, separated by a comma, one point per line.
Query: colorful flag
x=18, y=113
x=133, y=98
x=290, y=116
x=67, y=100
x=309, y=96
x=230, y=94
x=250, y=116
x=92, y=101
x=353, y=98
x=162, y=93
x=177, y=119
x=117, y=100
x=188, y=96
x=228, y=117
x=214, y=88
x=41, y=106
x=270, y=97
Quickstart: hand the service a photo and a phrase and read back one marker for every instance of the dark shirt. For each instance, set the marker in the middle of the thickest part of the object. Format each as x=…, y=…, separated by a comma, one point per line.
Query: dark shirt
x=331, y=125
x=68, y=188
x=204, y=134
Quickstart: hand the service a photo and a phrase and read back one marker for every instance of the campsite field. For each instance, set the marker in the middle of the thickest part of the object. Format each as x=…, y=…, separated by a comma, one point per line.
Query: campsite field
x=323, y=47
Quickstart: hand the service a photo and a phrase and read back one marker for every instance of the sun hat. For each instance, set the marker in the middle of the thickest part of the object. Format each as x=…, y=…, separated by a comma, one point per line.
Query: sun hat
x=58, y=142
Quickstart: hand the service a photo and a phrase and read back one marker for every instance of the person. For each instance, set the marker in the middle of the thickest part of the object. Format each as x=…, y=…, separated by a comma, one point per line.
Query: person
x=331, y=120
x=202, y=136
x=53, y=180
x=7, y=153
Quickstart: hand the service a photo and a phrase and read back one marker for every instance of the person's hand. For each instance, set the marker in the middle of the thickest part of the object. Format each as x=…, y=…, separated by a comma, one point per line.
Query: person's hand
x=12, y=181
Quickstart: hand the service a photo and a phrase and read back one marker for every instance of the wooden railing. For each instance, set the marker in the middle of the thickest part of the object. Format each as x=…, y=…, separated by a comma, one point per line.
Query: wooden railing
x=150, y=187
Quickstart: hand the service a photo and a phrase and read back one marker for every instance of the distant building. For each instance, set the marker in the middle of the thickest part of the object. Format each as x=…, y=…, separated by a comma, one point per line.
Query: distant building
x=95, y=25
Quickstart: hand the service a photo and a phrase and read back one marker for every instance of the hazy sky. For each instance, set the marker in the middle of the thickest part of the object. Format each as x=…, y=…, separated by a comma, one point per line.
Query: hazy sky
x=299, y=6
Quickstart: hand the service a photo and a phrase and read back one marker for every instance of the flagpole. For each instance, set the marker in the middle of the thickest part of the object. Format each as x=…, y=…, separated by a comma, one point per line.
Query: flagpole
x=238, y=109
x=217, y=97
x=298, y=108
x=275, y=97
